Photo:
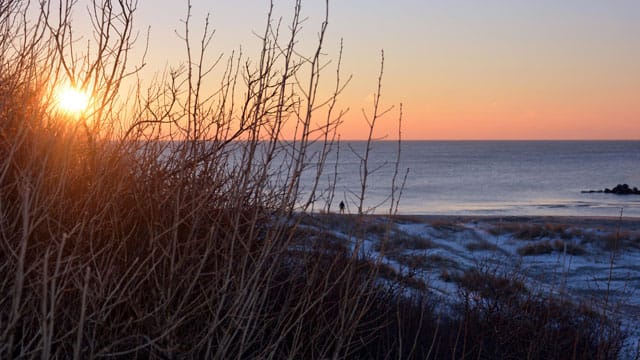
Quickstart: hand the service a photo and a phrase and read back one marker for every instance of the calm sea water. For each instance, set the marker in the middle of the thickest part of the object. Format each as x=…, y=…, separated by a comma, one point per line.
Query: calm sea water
x=492, y=177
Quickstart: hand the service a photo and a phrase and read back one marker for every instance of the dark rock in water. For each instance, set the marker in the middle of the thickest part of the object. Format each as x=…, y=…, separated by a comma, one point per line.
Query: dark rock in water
x=620, y=189
x=623, y=189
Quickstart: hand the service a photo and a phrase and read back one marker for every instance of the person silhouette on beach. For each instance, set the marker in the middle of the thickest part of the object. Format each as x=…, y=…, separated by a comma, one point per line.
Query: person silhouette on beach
x=341, y=207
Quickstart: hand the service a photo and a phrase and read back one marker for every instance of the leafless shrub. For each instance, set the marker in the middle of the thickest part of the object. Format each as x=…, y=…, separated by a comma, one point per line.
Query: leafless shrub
x=162, y=225
x=500, y=317
x=496, y=316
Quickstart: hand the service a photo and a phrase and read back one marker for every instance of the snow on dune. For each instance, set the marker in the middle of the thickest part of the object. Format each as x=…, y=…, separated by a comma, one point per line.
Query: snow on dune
x=589, y=260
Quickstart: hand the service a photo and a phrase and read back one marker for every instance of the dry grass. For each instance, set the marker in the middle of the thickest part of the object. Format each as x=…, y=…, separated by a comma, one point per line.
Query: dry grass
x=619, y=240
x=504, y=319
x=606, y=239
x=524, y=231
x=399, y=242
x=547, y=247
x=537, y=248
x=481, y=246
x=446, y=225
x=380, y=228
x=412, y=261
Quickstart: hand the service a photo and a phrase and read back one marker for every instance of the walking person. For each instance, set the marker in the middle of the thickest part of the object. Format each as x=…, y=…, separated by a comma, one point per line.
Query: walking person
x=341, y=207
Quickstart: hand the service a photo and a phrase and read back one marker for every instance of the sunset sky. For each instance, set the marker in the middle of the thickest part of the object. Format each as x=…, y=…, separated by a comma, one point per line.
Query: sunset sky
x=464, y=69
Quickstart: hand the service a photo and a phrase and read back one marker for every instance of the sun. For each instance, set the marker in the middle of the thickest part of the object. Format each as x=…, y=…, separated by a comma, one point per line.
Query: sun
x=71, y=100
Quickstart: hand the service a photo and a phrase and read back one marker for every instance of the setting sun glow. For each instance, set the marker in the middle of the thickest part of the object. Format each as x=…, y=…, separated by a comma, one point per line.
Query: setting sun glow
x=72, y=100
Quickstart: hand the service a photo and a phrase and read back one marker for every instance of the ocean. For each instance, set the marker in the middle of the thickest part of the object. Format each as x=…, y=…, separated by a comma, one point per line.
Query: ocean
x=487, y=177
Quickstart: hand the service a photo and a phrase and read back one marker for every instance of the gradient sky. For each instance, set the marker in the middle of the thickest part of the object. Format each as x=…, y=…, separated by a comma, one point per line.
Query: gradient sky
x=464, y=69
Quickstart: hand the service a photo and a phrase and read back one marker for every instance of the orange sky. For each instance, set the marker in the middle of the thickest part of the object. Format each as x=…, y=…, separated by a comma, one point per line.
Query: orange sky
x=464, y=69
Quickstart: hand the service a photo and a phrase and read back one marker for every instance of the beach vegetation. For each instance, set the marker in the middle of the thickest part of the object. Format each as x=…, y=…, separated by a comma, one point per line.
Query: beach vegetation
x=537, y=248
x=547, y=247
x=399, y=242
x=532, y=231
x=620, y=240
x=412, y=261
x=445, y=225
x=503, y=318
x=568, y=247
x=408, y=219
x=611, y=239
x=437, y=261
x=380, y=228
x=481, y=245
